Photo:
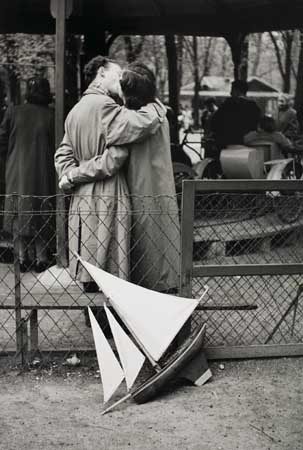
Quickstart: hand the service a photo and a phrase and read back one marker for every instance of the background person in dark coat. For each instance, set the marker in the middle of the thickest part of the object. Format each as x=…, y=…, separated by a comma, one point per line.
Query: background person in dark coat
x=287, y=121
x=27, y=147
x=235, y=117
x=210, y=149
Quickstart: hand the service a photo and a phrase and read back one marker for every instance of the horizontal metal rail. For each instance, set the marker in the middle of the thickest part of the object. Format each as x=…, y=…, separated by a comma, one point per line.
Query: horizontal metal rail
x=246, y=270
x=254, y=351
x=245, y=185
x=192, y=270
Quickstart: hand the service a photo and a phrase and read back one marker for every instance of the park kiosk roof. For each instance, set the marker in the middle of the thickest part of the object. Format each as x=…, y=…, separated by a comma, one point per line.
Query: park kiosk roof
x=229, y=18
x=204, y=17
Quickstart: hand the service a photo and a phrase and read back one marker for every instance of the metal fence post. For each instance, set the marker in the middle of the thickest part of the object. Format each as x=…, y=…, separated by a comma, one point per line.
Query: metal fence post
x=187, y=237
x=60, y=9
x=17, y=287
x=186, y=260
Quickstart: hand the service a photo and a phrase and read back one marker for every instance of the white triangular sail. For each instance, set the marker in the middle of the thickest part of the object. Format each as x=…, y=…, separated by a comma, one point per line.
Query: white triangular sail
x=154, y=318
x=110, y=369
x=131, y=358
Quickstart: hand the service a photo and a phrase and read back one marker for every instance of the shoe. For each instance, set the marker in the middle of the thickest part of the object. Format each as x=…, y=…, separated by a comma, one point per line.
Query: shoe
x=90, y=287
x=25, y=265
x=41, y=266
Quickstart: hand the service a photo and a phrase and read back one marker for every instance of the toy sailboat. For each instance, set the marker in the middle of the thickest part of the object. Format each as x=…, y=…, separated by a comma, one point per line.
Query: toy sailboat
x=153, y=319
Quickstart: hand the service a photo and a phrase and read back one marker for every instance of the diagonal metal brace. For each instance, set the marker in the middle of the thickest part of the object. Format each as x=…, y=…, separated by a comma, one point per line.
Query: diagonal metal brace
x=293, y=304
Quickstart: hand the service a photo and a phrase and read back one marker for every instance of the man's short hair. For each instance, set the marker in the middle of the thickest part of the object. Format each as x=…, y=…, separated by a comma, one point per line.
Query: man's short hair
x=92, y=67
x=210, y=101
x=240, y=86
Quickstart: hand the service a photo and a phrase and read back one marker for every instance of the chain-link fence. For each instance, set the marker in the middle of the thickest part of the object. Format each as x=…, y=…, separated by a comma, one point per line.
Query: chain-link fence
x=243, y=240
x=43, y=307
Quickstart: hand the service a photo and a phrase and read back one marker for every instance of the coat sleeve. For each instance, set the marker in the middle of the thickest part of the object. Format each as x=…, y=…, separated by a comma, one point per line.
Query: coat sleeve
x=4, y=133
x=64, y=157
x=250, y=137
x=99, y=167
x=283, y=141
x=125, y=126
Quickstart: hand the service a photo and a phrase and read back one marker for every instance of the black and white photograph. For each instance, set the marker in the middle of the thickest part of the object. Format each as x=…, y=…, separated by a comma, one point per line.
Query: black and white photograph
x=151, y=224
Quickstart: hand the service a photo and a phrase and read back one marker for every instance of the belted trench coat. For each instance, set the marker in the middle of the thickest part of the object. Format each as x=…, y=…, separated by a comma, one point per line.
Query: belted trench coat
x=99, y=215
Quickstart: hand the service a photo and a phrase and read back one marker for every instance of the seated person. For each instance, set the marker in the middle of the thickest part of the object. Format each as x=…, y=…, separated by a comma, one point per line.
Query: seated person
x=267, y=133
x=287, y=121
x=207, y=114
x=235, y=117
x=210, y=149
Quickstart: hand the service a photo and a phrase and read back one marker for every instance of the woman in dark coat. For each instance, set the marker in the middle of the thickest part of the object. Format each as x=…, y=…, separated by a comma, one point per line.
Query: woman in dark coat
x=27, y=146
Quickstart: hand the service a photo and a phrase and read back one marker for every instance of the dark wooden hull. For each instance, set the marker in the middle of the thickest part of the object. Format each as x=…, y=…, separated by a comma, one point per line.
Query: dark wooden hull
x=151, y=387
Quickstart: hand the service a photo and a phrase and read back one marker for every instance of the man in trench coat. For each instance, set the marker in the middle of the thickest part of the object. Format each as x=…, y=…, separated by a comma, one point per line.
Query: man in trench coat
x=97, y=122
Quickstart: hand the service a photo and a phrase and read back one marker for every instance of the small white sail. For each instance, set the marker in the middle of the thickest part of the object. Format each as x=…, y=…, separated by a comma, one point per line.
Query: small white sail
x=154, y=318
x=110, y=369
x=131, y=358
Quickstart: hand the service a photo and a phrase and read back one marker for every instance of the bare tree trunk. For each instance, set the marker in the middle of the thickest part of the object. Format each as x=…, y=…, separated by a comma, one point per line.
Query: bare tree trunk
x=239, y=45
x=196, y=82
x=287, y=38
x=180, y=48
x=160, y=71
x=207, y=59
x=255, y=66
x=173, y=87
x=12, y=70
x=224, y=58
x=299, y=90
x=200, y=65
x=132, y=49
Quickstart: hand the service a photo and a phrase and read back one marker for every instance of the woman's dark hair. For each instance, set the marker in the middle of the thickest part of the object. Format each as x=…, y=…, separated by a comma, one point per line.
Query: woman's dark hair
x=92, y=67
x=38, y=91
x=138, y=84
x=210, y=101
x=267, y=123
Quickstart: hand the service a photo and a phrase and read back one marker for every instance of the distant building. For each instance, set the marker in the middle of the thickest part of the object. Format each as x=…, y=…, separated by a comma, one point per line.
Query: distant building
x=219, y=87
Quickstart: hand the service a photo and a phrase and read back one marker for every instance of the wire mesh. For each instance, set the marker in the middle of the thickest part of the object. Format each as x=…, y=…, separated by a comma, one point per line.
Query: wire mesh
x=43, y=313
x=136, y=238
x=252, y=228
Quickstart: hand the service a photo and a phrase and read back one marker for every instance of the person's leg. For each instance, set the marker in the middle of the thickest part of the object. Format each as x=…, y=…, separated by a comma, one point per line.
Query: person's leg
x=42, y=262
x=24, y=249
x=41, y=250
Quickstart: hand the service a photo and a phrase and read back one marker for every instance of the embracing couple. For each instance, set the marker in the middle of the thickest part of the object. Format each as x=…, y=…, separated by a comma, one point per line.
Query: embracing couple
x=116, y=160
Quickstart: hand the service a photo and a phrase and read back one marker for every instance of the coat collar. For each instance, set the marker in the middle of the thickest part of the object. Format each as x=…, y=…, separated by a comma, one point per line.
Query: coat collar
x=160, y=108
x=94, y=89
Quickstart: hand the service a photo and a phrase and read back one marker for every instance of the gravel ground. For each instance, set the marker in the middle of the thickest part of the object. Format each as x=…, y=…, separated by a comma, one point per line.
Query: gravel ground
x=253, y=404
